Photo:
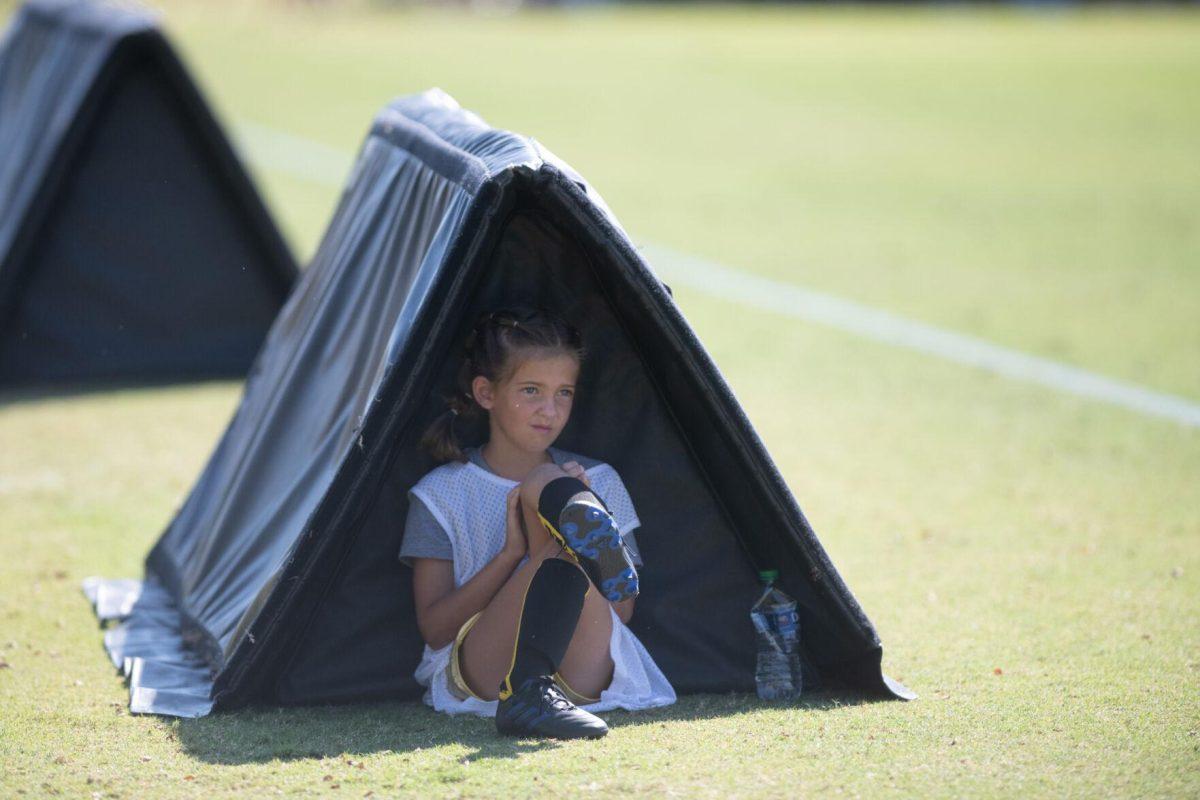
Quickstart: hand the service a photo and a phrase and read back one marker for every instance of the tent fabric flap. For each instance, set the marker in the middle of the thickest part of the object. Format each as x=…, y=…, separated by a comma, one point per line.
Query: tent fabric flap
x=146, y=645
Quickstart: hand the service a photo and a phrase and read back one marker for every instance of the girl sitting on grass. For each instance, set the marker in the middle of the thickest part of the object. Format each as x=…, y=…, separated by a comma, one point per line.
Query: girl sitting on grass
x=524, y=563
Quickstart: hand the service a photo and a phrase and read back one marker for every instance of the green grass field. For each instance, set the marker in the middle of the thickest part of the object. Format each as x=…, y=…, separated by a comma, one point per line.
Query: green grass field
x=1031, y=560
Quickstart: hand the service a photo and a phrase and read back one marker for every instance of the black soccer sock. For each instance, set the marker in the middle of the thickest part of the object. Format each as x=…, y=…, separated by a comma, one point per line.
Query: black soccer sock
x=559, y=492
x=549, y=615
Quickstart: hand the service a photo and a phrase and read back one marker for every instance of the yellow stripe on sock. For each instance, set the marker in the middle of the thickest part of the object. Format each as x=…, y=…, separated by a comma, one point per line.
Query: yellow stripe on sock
x=506, y=687
x=559, y=538
x=553, y=531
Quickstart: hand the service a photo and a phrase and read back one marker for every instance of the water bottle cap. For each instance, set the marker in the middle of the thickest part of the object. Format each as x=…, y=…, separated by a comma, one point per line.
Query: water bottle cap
x=768, y=575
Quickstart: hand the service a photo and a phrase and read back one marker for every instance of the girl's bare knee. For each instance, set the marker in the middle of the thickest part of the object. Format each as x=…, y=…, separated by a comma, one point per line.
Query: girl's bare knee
x=535, y=481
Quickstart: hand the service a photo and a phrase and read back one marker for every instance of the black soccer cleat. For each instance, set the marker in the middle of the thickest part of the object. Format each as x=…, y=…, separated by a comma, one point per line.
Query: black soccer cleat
x=588, y=532
x=539, y=708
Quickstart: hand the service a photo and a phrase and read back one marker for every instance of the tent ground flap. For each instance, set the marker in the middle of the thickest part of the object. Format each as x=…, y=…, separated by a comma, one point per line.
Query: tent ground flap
x=147, y=646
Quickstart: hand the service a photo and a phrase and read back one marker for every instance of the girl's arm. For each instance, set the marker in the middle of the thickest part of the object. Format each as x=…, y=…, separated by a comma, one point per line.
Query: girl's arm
x=442, y=609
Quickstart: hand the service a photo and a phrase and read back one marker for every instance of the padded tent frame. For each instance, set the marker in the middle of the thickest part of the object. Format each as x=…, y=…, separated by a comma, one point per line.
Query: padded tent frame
x=133, y=244
x=325, y=614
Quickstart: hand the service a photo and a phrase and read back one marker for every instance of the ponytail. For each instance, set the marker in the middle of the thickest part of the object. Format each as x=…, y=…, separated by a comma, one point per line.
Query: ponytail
x=490, y=350
x=440, y=439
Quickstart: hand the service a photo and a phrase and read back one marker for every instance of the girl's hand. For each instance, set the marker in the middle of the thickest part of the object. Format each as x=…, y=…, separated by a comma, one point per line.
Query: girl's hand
x=515, y=543
x=575, y=470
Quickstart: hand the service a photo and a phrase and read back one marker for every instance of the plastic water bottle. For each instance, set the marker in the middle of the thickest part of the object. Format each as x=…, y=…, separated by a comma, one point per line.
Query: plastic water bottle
x=777, y=676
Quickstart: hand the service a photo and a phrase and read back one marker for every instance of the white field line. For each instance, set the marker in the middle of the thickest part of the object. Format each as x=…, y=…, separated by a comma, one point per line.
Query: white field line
x=318, y=163
x=882, y=326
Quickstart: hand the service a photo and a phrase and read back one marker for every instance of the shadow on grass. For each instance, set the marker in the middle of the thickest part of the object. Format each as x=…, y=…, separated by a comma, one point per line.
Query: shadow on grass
x=693, y=708
x=290, y=734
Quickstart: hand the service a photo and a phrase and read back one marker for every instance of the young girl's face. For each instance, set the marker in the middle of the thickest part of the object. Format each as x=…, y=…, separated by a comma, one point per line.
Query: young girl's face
x=530, y=408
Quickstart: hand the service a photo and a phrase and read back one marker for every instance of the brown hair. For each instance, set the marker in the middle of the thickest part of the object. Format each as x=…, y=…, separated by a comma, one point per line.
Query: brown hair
x=491, y=350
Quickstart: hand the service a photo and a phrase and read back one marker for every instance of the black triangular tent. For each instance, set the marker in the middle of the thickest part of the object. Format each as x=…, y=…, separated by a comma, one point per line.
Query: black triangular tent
x=133, y=246
x=281, y=568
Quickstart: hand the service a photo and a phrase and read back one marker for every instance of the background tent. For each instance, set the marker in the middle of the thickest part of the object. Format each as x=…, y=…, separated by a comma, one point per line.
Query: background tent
x=132, y=244
x=280, y=570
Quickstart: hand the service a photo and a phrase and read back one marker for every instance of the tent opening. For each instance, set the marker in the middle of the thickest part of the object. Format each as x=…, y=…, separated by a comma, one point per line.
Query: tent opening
x=633, y=408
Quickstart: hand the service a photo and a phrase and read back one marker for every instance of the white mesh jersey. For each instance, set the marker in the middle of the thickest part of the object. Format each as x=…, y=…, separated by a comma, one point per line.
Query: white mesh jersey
x=469, y=502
